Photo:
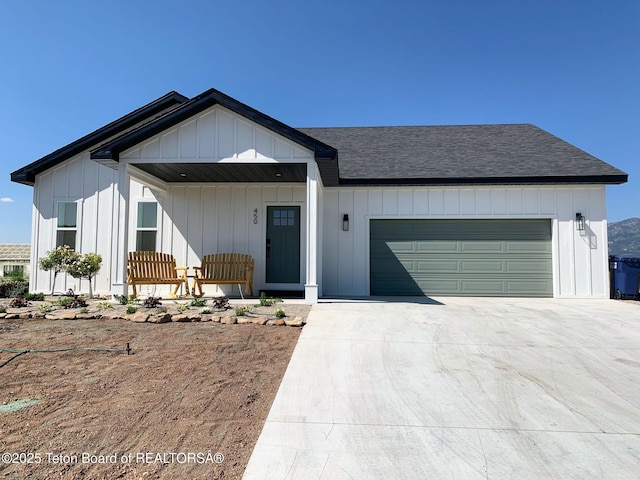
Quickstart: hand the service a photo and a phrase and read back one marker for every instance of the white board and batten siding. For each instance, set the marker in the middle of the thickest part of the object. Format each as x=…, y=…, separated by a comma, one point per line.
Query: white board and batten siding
x=580, y=267
x=199, y=219
x=218, y=135
x=91, y=186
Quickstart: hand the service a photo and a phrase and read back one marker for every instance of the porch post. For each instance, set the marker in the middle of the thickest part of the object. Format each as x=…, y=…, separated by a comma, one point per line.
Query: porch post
x=121, y=232
x=311, y=283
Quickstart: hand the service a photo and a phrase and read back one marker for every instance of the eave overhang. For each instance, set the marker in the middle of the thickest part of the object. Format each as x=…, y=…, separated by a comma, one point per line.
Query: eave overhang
x=543, y=180
x=27, y=175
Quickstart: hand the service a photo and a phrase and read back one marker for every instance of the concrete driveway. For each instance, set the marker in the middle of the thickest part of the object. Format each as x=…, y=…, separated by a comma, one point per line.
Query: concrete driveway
x=460, y=388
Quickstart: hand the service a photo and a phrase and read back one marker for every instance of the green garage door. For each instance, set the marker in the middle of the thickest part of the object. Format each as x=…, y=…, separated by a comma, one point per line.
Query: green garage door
x=461, y=257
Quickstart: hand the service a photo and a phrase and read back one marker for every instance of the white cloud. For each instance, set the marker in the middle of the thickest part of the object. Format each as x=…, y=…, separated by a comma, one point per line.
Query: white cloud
x=6, y=200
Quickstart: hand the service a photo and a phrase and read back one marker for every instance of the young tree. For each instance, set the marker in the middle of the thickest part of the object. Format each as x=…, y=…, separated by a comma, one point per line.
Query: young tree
x=58, y=260
x=87, y=267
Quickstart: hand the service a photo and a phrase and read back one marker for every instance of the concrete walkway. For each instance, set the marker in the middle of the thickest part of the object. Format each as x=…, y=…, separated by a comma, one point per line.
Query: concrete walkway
x=460, y=388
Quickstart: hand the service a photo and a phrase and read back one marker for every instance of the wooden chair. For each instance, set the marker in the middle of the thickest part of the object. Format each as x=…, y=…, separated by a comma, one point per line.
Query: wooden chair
x=154, y=268
x=224, y=268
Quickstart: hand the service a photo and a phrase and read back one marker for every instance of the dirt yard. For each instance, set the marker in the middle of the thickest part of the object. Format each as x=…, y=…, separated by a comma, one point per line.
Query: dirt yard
x=188, y=403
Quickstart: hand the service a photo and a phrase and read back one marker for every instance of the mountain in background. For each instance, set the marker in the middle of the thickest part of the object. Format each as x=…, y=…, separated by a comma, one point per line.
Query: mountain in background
x=624, y=237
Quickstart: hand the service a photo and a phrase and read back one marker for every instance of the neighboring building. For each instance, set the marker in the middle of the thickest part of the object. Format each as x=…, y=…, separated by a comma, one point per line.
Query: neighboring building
x=486, y=210
x=14, y=259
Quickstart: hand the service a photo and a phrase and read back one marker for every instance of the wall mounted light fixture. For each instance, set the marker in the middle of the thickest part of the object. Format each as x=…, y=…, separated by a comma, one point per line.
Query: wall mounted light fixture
x=580, y=225
x=345, y=223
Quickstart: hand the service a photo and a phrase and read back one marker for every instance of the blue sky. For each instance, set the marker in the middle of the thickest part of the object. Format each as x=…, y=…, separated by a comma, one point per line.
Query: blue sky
x=572, y=67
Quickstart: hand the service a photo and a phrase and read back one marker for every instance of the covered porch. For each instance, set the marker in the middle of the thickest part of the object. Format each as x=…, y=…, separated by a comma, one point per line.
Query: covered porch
x=215, y=176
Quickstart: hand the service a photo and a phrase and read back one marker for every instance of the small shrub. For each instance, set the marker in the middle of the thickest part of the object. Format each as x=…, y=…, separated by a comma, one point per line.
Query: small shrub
x=20, y=290
x=19, y=302
x=198, y=302
x=34, y=297
x=121, y=299
x=182, y=307
x=16, y=276
x=104, y=305
x=64, y=302
x=242, y=311
x=221, y=303
x=84, y=310
x=131, y=309
x=77, y=302
x=7, y=287
x=152, y=302
x=280, y=313
x=45, y=308
x=267, y=302
x=205, y=311
x=3, y=309
x=161, y=309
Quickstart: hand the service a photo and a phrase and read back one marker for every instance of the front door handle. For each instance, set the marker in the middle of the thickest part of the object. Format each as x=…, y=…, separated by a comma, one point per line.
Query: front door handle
x=268, y=247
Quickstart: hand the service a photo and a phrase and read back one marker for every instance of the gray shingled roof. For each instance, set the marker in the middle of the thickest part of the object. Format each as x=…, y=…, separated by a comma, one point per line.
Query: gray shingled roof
x=15, y=251
x=518, y=153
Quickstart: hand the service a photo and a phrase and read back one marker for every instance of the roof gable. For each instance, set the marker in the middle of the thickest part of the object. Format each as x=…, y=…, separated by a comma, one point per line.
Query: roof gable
x=325, y=155
x=26, y=175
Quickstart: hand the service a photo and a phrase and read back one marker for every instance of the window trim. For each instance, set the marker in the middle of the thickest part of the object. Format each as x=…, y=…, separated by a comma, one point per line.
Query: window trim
x=147, y=229
x=74, y=229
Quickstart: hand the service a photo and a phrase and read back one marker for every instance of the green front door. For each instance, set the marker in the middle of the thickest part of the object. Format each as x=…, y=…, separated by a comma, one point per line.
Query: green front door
x=283, y=245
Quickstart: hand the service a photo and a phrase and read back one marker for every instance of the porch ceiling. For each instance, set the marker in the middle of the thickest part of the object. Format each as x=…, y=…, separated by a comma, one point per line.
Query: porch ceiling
x=226, y=172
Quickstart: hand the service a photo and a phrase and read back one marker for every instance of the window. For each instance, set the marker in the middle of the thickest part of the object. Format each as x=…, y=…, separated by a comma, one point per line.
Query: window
x=67, y=224
x=13, y=270
x=147, y=226
x=283, y=218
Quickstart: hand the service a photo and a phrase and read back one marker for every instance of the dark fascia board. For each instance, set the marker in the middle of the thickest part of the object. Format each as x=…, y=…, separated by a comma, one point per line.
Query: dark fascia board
x=27, y=175
x=322, y=151
x=549, y=180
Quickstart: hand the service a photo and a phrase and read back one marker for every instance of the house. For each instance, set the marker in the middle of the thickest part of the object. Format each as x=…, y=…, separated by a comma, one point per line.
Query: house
x=484, y=210
x=14, y=260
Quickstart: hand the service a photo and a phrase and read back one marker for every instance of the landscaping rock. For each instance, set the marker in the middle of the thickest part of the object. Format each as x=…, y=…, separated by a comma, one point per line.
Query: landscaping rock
x=243, y=320
x=194, y=317
x=160, y=318
x=180, y=318
x=296, y=322
x=24, y=316
x=139, y=317
x=66, y=316
x=85, y=316
x=259, y=320
x=229, y=320
x=278, y=322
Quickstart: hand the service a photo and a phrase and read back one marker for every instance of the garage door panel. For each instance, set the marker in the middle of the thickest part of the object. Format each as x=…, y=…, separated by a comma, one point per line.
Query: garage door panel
x=436, y=246
x=461, y=257
x=528, y=247
x=487, y=287
x=481, y=247
x=437, y=266
x=482, y=266
x=529, y=266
